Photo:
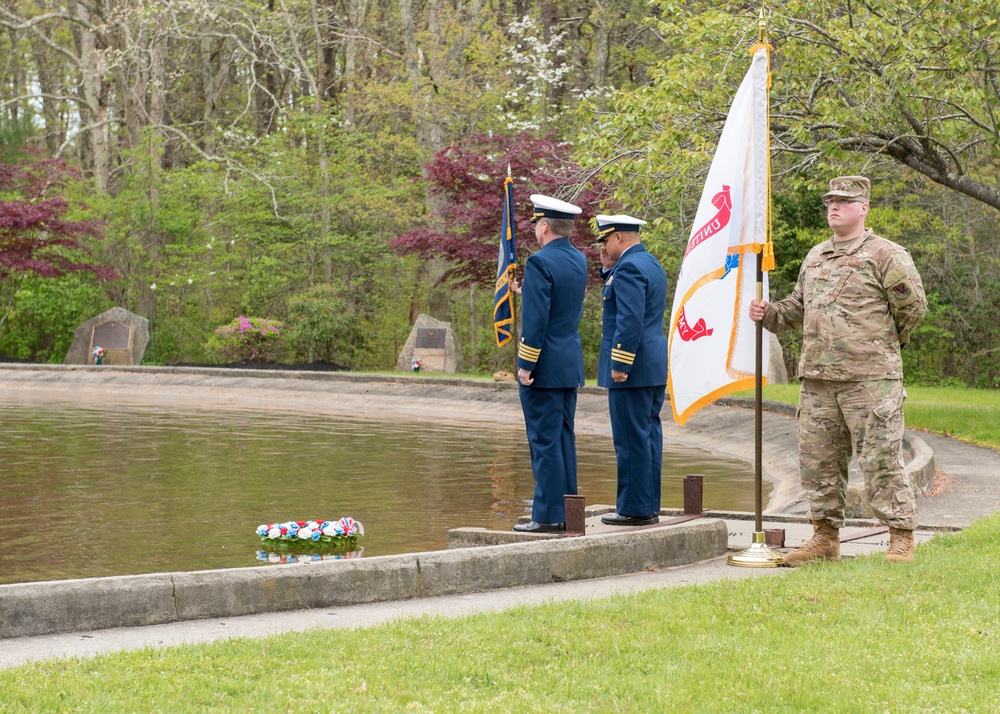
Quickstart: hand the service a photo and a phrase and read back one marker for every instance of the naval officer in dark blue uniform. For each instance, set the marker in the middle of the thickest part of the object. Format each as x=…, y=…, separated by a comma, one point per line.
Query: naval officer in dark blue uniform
x=633, y=366
x=550, y=360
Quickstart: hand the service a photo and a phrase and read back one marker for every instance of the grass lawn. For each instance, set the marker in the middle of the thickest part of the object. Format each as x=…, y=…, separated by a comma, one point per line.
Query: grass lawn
x=858, y=636
x=971, y=415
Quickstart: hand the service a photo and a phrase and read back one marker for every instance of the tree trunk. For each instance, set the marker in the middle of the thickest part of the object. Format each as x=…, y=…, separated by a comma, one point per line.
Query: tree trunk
x=157, y=113
x=133, y=80
x=357, y=13
x=95, y=97
x=50, y=85
x=324, y=158
x=265, y=85
x=602, y=47
x=474, y=356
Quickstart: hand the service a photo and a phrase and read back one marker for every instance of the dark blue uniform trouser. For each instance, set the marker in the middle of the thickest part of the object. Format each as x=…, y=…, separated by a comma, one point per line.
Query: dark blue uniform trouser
x=638, y=437
x=548, y=419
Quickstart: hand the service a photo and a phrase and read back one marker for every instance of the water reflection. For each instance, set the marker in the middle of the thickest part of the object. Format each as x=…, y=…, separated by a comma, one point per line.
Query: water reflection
x=306, y=557
x=118, y=490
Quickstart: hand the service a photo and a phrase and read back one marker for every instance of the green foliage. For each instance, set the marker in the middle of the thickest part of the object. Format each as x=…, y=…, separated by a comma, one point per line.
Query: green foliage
x=955, y=244
x=480, y=352
x=248, y=339
x=40, y=328
x=44, y=235
x=856, y=88
x=325, y=544
x=798, y=223
x=322, y=328
x=256, y=191
x=931, y=342
x=14, y=134
x=590, y=330
x=471, y=317
x=196, y=245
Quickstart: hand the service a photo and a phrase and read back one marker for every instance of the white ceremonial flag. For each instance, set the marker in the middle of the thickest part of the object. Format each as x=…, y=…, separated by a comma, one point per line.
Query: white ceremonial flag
x=712, y=339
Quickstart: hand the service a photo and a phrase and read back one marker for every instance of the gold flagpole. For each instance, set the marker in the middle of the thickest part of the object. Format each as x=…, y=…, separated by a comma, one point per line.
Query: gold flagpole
x=758, y=555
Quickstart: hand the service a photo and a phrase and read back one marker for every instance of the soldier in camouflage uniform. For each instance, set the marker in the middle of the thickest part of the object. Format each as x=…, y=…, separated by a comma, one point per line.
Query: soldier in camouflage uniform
x=857, y=299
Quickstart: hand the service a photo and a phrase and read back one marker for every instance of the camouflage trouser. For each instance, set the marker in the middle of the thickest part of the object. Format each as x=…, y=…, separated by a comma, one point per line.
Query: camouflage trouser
x=868, y=415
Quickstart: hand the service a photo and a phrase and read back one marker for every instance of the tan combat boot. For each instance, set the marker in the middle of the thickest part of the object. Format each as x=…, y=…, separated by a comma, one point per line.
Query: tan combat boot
x=824, y=545
x=900, y=546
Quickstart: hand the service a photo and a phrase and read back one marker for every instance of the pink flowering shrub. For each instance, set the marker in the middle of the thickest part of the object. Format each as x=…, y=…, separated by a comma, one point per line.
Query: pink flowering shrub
x=248, y=339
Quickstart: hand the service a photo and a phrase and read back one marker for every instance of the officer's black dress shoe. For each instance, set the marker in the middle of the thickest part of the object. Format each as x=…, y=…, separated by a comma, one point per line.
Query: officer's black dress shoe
x=533, y=527
x=617, y=519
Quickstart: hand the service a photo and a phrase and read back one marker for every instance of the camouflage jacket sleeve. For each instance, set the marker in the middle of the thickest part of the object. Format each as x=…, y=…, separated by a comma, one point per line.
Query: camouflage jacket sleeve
x=905, y=293
x=785, y=314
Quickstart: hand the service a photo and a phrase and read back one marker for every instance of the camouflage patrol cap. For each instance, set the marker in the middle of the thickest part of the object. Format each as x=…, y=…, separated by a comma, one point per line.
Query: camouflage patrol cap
x=850, y=187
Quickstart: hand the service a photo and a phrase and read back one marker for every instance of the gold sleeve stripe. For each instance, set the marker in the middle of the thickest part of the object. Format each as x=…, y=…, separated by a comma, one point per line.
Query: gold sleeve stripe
x=527, y=353
x=624, y=358
x=622, y=353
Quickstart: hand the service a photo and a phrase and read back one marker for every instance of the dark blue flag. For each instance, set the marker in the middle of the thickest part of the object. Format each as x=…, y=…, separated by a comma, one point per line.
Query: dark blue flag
x=503, y=301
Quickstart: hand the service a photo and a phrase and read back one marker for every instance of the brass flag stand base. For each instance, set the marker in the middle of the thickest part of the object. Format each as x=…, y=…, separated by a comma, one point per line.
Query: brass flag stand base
x=758, y=555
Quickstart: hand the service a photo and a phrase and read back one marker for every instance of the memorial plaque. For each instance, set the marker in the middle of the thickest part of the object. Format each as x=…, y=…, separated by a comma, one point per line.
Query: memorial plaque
x=431, y=338
x=112, y=336
x=122, y=334
x=433, y=342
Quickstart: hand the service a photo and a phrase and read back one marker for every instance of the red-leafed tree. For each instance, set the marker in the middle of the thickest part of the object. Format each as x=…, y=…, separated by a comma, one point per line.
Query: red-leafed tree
x=36, y=238
x=469, y=177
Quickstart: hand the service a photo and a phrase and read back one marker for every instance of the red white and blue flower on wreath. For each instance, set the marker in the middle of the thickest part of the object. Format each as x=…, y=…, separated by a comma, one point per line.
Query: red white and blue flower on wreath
x=342, y=534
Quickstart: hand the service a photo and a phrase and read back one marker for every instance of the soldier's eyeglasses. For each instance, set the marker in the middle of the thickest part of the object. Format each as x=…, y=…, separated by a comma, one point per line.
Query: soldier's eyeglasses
x=840, y=201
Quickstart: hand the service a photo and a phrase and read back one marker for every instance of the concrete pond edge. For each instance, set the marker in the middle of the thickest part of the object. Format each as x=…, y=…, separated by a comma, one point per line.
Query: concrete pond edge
x=42, y=608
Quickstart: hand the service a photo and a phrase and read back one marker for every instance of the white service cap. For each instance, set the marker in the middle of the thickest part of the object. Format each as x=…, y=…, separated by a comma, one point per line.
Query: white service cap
x=606, y=225
x=548, y=207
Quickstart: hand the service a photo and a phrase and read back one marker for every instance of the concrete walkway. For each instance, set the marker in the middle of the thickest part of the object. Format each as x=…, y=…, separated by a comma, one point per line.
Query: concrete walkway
x=967, y=485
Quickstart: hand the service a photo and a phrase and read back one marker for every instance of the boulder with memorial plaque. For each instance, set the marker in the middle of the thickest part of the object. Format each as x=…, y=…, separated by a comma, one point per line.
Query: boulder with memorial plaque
x=431, y=347
x=115, y=337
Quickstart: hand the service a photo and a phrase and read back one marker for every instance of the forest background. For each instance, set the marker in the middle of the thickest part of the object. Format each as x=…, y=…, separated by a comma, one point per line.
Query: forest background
x=335, y=167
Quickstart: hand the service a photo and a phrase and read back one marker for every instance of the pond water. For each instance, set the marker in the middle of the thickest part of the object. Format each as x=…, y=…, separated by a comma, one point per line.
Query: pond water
x=87, y=492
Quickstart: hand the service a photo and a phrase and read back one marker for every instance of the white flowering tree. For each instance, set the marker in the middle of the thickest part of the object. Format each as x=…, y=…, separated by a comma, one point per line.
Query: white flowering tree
x=537, y=73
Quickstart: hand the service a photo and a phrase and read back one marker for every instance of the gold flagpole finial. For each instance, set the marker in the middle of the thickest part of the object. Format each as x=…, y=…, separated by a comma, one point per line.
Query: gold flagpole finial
x=508, y=170
x=761, y=25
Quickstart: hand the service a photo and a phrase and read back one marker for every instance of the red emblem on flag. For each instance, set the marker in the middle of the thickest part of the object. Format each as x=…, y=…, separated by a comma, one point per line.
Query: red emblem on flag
x=688, y=333
x=716, y=223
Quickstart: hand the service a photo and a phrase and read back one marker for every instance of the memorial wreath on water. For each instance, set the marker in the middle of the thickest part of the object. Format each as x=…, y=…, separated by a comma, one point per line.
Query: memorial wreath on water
x=311, y=536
